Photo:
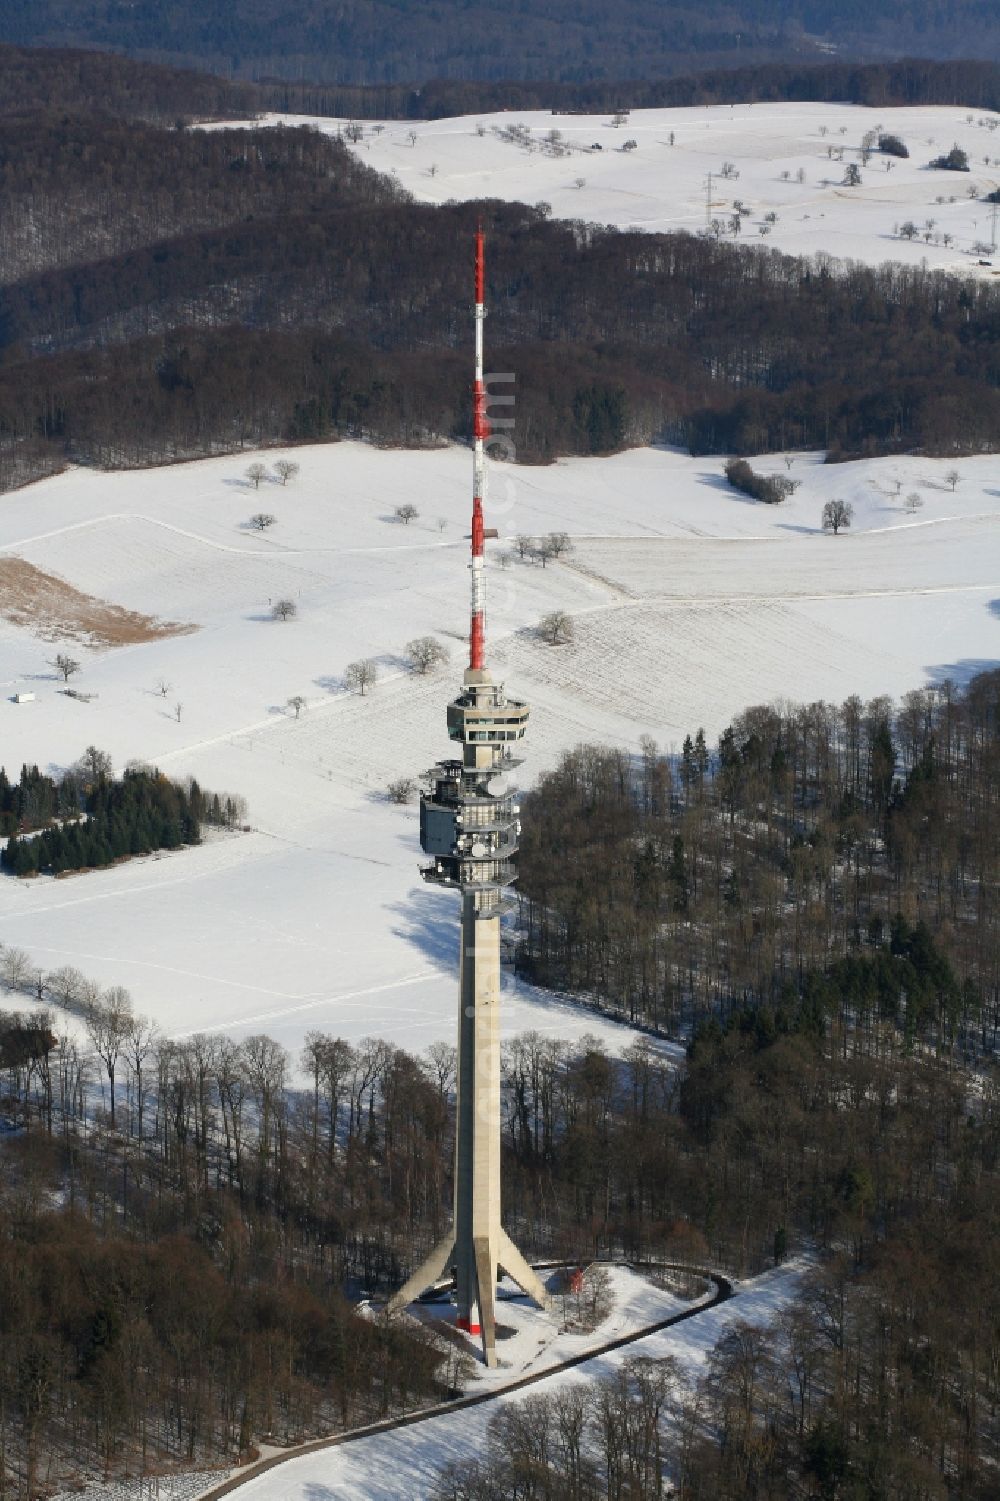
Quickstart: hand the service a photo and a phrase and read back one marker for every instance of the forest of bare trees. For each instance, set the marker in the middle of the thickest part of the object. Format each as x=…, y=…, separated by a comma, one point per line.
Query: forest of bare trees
x=173, y=1281
x=388, y=42
x=677, y=890
x=341, y=322
x=915, y=80
x=79, y=189
x=172, y=1271
x=84, y=81
x=77, y=81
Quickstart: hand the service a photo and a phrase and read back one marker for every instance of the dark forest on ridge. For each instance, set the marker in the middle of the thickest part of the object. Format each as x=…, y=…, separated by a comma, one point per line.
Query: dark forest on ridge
x=392, y=41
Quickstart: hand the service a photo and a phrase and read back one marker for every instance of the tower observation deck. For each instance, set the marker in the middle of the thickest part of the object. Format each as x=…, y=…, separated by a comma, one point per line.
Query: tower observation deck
x=470, y=832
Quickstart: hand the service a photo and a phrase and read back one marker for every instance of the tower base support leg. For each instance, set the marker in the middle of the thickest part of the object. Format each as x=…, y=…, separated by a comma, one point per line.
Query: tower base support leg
x=488, y=1253
x=426, y=1274
x=516, y=1267
x=486, y=1279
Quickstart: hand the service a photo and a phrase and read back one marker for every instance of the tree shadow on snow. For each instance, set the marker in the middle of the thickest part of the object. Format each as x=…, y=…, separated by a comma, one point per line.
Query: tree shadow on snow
x=719, y=482
x=961, y=673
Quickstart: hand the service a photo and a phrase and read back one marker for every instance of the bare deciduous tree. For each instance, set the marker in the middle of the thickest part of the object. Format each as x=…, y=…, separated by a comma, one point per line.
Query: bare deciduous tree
x=296, y=703
x=360, y=676
x=264, y=1064
x=556, y=628
x=65, y=666
x=284, y=609
x=67, y=986
x=139, y=1041
x=163, y=687
x=953, y=478
x=837, y=516
x=15, y=968
x=783, y=486
x=400, y=790
x=425, y=653
x=913, y=502
x=255, y=473
x=558, y=544
x=94, y=766
x=178, y=711
x=406, y=513
x=286, y=469
x=261, y=520
x=109, y=1021
x=554, y=545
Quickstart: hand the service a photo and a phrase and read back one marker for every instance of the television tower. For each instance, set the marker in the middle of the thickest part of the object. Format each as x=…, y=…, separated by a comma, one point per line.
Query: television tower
x=471, y=835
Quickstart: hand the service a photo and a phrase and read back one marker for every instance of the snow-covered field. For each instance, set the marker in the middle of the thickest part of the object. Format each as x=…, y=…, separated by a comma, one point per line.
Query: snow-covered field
x=406, y=1461
x=781, y=153
x=690, y=602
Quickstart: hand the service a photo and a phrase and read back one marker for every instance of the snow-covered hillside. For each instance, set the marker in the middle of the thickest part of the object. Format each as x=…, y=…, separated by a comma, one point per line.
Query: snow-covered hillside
x=690, y=601
x=787, y=164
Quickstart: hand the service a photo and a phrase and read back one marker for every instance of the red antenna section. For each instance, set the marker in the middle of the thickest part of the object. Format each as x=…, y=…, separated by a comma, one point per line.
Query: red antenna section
x=480, y=432
x=480, y=422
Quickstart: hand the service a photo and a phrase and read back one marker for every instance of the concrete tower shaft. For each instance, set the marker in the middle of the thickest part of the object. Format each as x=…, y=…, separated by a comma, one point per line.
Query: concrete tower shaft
x=471, y=833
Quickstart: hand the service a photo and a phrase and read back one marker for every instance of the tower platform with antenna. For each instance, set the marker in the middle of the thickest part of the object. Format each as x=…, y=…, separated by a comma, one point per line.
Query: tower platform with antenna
x=470, y=831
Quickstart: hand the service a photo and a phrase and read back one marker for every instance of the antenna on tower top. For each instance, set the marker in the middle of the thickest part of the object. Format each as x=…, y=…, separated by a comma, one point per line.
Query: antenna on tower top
x=480, y=432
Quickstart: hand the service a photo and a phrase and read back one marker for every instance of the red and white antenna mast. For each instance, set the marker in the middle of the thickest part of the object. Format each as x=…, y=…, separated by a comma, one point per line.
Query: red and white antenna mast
x=480, y=432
